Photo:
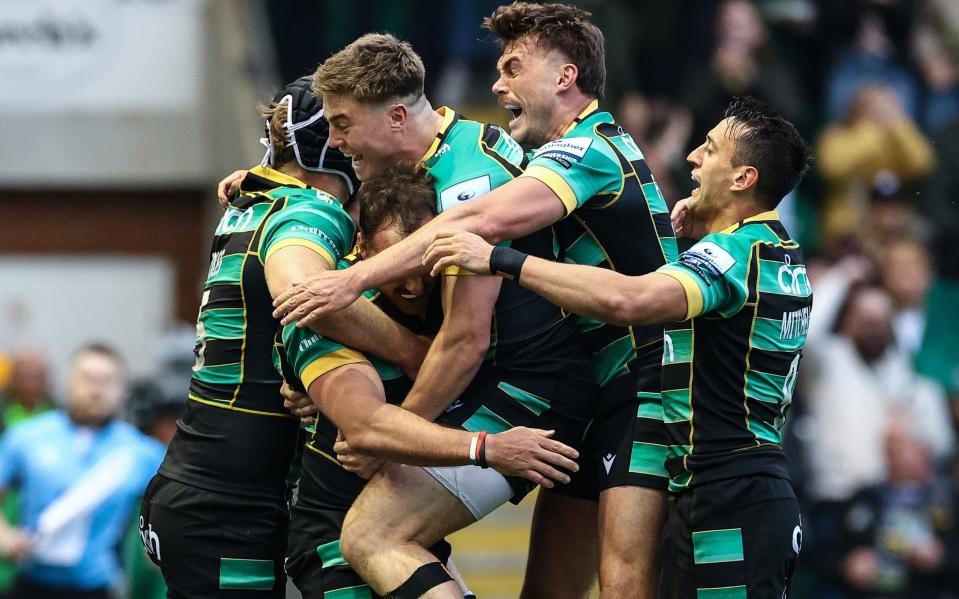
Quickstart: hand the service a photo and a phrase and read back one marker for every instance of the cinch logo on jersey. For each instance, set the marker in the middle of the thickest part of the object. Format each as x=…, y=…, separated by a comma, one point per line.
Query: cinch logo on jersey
x=235, y=220
x=565, y=151
x=795, y=324
x=708, y=259
x=793, y=279
x=216, y=262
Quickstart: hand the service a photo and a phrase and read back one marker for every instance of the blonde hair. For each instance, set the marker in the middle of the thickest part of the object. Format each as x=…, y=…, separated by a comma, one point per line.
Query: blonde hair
x=373, y=68
x=281, y=146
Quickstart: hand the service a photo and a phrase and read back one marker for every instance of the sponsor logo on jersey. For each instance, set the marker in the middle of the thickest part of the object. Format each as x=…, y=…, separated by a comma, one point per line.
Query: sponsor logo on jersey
x=792, y=279
x=235, y=220
x=216, y=262
x=308, y=342
x=708, y=260
x=465, y=191
x=443, y=149
x=314, y=232
x=565, y=150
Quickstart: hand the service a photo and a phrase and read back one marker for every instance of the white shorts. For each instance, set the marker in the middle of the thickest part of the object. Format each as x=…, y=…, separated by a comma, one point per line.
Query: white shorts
x=481, y=490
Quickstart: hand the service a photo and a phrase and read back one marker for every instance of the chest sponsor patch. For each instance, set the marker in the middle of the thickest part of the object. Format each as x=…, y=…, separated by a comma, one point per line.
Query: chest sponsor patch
x=565, y=150
x=708, y=260
x=464, y=192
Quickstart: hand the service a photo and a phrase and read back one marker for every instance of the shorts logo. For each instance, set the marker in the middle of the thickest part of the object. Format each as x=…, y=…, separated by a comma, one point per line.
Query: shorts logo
x=456, y=404
x=150, y=539
x=565, y=150
x=465, y=191
x=608, y=460
x=708, y=260
x=797, y=539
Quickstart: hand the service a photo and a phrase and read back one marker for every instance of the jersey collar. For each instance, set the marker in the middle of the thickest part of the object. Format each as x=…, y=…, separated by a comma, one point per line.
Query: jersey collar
x=276, y=176
x=587, y=112
x=449, y=117
x=762, y=216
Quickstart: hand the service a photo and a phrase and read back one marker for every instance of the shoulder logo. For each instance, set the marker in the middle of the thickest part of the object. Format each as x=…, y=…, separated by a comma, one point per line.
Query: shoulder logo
x=442, y=150
x=465, y=191
x=708, y=260
x=565, y=150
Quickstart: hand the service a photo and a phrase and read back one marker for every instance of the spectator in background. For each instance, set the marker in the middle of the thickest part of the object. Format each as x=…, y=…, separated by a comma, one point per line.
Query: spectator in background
x=743, y=62
x=936, y=48
x=79, y=471
x=899, y=538
x=29, y=390
x=877, y=135
x=940, y=202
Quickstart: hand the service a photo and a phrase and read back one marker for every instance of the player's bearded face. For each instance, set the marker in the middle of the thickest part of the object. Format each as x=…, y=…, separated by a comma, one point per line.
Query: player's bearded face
x=526, y=87
x=362, y=132
x=410, y=295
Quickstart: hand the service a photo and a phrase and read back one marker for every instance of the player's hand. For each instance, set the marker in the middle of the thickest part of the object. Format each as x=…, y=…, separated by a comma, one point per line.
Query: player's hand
x=299, y=404
x=685, y=223
x=364, y=466
x=15, y=544
x=531, y=454
x=458, y=248
x=307, y=301
x=228, y=186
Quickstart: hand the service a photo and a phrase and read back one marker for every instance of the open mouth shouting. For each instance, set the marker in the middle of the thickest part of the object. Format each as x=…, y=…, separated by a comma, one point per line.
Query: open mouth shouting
x=517, y=111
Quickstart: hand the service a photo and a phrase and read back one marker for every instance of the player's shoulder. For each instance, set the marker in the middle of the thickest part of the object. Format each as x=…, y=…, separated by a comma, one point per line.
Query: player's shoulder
x=716, y=254
x=43, y=424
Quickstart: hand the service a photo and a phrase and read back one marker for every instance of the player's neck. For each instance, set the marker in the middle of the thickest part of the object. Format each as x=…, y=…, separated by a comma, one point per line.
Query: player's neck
x=733, y=213
x=424, y=126
x=570, y=107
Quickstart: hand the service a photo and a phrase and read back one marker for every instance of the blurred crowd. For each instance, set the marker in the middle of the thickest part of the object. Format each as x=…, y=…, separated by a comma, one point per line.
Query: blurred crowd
x=874, y=86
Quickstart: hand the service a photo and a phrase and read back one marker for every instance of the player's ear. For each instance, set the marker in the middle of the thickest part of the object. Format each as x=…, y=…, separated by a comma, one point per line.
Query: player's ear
x=568, y=73
x=397, y=113
x=745, y=177
x=361, y=244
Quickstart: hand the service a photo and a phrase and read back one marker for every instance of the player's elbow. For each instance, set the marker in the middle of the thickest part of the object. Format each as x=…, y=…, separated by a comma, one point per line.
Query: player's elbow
x=621, y=309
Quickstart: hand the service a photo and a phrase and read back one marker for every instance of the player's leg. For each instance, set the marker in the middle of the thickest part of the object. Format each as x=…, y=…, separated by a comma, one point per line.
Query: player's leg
x=563, y=555
x=403, y=510
x=630, y=522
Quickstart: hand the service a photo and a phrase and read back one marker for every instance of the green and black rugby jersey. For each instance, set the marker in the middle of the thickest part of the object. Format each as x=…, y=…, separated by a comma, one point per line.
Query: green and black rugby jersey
x=235, y=436
x=617, y=219
x=304, y=356
x=730, y=369
x=530, y=335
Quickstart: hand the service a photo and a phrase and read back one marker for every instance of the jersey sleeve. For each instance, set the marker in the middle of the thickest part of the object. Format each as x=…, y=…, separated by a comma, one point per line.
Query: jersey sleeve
x=316, y=224
x=576, y=169
x=713, y=274
x=311, y=355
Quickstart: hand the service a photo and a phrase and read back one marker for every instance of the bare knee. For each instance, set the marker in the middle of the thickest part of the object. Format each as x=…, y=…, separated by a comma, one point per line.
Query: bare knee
x=360, y=539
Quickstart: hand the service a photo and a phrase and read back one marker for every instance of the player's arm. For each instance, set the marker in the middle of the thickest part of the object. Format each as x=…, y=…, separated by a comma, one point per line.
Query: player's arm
x=361, y=325
x=596, y=293
x=351, y=397
x=513, y=210
x=459, y=347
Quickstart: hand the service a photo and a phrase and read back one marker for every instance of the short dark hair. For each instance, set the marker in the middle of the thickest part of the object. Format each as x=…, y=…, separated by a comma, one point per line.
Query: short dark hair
x=373, y=68
x=103, y=349
x=400, y=199
x=771, y=144
x=559, y=27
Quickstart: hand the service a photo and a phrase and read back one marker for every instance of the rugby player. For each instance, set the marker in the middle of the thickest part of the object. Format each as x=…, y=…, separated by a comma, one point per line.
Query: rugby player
x=738, y=304
x=590, y=178
x=216, y=512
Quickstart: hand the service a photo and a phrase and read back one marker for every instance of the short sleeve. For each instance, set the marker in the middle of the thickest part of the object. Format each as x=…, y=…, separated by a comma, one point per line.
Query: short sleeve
x=576, y=169
x=312, y=355
x=713, y=274
x=9, y=459
x=315, y=224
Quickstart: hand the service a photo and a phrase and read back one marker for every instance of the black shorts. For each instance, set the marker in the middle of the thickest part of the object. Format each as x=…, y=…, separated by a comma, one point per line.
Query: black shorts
x=214, y=545
x=494, y=404
x=731, y=538
x=625, y=443
x=314, y=561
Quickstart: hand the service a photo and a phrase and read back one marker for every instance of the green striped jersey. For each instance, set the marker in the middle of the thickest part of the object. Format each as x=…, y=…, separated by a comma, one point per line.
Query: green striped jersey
x=466, y=160
x=729, y=370
x=617, y=219
x=235, y=434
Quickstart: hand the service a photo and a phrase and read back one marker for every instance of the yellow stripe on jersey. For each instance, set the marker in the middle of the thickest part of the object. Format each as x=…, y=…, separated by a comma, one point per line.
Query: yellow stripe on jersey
x=310, y=245
x=456, y=271
x=330, y=361
x=556, y=183
x=694, y=295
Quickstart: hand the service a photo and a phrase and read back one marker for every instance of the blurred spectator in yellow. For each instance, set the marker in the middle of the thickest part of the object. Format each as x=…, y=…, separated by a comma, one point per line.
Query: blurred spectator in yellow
x=743, y=62
x=899, y=538
x=28, y=393
x=877, y=135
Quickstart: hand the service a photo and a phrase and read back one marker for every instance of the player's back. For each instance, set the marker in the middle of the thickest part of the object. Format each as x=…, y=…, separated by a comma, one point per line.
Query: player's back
x=235, y=435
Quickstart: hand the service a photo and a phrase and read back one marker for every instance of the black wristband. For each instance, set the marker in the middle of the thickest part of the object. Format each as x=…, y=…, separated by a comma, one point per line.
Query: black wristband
x=482, y=453
x=507, y=262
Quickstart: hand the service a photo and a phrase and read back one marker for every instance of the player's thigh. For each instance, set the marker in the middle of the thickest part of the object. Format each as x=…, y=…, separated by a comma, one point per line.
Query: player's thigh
x=211, y=545
x=631, y=522
x=772, y=539
x=405, y=504
x=563, y=550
